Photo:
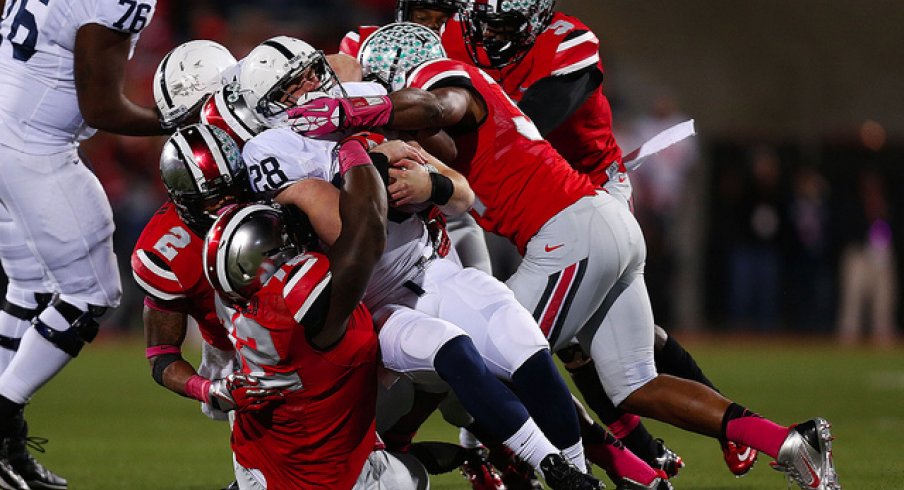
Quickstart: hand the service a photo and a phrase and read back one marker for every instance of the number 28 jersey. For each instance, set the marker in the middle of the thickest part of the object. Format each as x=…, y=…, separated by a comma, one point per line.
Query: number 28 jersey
x=39, y=112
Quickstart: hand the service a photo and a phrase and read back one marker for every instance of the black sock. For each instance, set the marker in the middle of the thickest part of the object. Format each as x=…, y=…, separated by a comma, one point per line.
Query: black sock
x=673, y=359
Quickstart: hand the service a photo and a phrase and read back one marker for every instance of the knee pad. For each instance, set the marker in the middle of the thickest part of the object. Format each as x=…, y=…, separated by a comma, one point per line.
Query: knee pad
x=83, y=327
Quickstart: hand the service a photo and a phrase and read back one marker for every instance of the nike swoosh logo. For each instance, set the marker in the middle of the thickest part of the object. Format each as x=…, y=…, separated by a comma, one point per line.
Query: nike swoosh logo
x=814, y=478
x=743, y=456
x=554, y=247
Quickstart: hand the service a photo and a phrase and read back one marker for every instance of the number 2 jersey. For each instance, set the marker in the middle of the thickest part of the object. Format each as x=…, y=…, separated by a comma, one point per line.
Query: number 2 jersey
x=39, y=111
x=324, y=430
x=167, y=265
x=519, y=179
x=566, y=47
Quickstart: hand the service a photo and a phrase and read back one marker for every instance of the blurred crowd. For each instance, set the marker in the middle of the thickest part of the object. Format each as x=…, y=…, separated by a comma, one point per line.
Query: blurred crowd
x=742, y=234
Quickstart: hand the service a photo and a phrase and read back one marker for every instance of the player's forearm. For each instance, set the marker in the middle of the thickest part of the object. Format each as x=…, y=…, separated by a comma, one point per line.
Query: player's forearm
x=462, y=195
x=414, y=109
x=123, y=117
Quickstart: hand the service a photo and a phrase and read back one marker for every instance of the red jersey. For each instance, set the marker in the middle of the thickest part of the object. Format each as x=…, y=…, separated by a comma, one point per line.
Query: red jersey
x=324, y=430
x=585, y=139
x=167, y=265
x=351, y=43
x=508, y=164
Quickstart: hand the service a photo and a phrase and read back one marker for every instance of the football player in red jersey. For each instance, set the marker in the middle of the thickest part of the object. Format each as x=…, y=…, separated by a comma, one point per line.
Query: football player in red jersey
x=298, y=323
x=583, y=252
x=202, y=171
x=537, y=55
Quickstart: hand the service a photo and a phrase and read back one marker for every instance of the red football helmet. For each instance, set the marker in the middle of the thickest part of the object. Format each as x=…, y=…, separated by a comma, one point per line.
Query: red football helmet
x=228, y=110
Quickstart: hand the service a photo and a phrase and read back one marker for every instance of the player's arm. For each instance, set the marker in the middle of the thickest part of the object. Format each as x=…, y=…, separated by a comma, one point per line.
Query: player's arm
x=101, y=55
x=346, y=67
x=164, y=333
x=436, y=182
x=414, y=109
x=552, y=100
x=362, y=209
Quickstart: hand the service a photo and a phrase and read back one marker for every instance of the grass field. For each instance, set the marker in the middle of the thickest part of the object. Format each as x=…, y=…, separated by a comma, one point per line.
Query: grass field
x=112, y=427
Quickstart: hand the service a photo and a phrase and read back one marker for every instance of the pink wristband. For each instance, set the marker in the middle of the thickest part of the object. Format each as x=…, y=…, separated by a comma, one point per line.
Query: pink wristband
x=352, y=154
x=159, y=350
x=197, y=387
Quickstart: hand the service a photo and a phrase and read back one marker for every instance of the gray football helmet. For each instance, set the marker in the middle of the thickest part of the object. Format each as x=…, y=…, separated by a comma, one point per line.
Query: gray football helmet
x=246, y=245
x=202, y=170
x=390, y=53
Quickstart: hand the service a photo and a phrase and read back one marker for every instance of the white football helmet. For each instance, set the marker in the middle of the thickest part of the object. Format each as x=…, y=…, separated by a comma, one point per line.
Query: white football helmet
x=274, y=72
x=246, y=245
x=189, y=73
x=390, y=53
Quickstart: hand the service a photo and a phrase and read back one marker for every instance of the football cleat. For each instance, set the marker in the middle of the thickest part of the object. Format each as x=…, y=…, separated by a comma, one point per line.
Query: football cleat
x=562, y=475
x=479, y=472
x=9, y=479
x=232, y=486
x=667, y=460
x=659, y=483
x=517, y=474
x=739, y=458
x=15, y=449
x=806, y=456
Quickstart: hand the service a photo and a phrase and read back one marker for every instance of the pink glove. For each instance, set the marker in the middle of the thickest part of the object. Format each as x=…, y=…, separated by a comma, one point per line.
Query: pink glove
x=327, y=115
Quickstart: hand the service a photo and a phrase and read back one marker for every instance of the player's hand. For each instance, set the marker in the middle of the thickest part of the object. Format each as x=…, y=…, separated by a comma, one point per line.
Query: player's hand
x=398, y=150
x=325, y=115
x=410, y=183
x=240, y=391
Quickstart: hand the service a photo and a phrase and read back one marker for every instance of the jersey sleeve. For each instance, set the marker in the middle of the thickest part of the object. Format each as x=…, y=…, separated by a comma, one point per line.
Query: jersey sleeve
x=351, y=43
x=277, y=158
x=163, y=261
x=306, y=289
x=439, y=73
x=579, y=49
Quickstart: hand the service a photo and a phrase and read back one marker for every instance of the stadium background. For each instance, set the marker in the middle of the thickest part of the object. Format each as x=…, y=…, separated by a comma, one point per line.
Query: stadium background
x=797, y=164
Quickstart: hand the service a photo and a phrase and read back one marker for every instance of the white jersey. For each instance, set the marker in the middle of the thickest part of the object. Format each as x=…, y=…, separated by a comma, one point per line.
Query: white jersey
x=39, y=112
x=279, y=157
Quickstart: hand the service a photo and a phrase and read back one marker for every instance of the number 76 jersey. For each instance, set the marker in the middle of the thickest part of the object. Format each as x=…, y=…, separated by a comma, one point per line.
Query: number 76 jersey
x=39, y=112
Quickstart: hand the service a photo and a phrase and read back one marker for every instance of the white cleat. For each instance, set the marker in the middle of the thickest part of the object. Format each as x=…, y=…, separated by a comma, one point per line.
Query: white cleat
x=806, y=456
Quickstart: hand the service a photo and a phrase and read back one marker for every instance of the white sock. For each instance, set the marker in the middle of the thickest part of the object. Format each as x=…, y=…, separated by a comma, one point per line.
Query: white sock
x=575, y=454
x=36, y=362
x=13, y=328
x=466, y=439
x=530, y=444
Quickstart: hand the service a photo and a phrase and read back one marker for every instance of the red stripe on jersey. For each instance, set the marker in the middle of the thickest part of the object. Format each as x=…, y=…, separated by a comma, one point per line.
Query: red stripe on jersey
x=554, y=306
x=306, y=278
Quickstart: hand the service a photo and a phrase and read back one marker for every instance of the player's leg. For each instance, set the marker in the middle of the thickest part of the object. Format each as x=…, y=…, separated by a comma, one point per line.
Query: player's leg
x=626, y=427
x=622, y=344
x=510, y=344
x=384, y=469
x=469, y=242
x=67, y=223
x=415, y=343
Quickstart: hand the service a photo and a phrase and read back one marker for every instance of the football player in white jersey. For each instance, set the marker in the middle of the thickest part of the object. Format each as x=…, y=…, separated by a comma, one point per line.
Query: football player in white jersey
x=62, y=70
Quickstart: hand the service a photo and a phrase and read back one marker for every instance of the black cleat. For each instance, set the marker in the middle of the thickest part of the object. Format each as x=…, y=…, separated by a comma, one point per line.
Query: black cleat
x=667, y=460
x=562, y=475
x=37, y=477
x=9, y=479
x=232, y=486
